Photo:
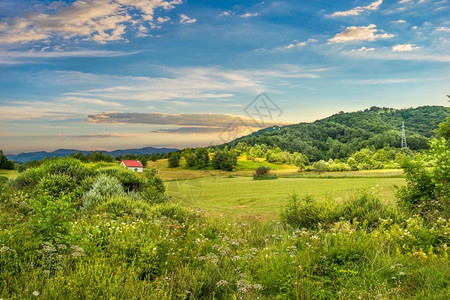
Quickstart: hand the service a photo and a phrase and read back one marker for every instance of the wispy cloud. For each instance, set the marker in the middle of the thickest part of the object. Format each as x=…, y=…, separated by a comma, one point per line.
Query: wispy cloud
x=297, y=44
x=443, y=29
x=17, y=57
x=96, y=20
x=188, y=123
x=364, y=49
x=359, y=33
x=404, y=48
x=95, y=136
x=358, y=10
x=250, y=15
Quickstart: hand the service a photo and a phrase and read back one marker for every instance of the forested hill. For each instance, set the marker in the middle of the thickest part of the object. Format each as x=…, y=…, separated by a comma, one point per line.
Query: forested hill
x=342, y=134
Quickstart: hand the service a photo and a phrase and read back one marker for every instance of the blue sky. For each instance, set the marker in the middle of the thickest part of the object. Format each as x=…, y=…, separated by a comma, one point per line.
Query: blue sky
x=110, y=74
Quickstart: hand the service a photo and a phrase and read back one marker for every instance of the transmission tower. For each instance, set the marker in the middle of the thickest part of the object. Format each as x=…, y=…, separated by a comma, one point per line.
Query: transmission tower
x=404, y=144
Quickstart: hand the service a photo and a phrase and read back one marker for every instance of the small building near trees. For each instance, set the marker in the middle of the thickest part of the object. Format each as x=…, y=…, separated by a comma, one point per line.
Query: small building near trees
x=133, y=165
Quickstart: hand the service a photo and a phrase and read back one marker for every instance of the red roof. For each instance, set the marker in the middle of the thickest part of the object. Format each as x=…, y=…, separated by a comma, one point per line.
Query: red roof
x=132, y=163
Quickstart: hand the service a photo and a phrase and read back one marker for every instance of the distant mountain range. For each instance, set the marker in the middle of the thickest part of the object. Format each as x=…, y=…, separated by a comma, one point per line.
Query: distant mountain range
x=25, y=157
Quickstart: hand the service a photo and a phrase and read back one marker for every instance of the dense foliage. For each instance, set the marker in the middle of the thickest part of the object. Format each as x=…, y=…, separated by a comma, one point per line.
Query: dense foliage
x=341, y=135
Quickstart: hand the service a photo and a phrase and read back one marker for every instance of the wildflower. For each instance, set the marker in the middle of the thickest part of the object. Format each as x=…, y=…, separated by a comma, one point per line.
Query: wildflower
x=46, y=272
x=222, y=283
x=402, y=274
x=202, y=258
x=257, y=287
x=36, y=293
x=243, y=275
x=225, y=238
x=235, y=258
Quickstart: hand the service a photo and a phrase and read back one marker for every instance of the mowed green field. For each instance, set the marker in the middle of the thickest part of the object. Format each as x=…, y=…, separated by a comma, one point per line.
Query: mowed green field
x=243, y=195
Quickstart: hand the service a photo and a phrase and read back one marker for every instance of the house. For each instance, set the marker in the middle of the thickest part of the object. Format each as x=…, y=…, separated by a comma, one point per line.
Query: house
x=134, y=165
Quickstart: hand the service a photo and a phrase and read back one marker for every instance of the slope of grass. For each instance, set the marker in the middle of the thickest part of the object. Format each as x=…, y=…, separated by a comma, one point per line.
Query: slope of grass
x=9, y=173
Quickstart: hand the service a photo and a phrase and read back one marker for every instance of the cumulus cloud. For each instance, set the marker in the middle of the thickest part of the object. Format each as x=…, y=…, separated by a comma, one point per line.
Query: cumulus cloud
x=404, y=48
x=97, y=20
x=186, y=20
x=358, y=10
x=359, y=33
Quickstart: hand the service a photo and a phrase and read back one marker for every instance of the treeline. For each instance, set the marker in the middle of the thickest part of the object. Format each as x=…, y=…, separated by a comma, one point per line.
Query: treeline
x=96, y=156
x=343, y=134
x=204, y=158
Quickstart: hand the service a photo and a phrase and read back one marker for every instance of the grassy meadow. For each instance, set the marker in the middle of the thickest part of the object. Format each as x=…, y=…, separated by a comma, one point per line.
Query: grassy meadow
x=73, y=230
x=243, y=195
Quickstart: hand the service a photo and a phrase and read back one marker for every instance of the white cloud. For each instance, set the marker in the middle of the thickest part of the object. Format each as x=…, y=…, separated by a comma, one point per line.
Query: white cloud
x=443, y=28
x=297, y=44
x=226, y=13
x=404, y=48
x=359, y=33
x=364, y=49
x=186, y=20
x=97, y=20
x=161, y=20
x=250, y=15
x=399, y=21
x=358, y=10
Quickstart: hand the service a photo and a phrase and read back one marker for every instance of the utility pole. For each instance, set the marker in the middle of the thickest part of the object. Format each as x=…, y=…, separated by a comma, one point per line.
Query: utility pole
x=404, y=144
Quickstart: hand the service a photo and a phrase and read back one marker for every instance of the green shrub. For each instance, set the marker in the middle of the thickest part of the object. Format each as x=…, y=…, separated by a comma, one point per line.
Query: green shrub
x=366, y=208
x=3, y=180
x=130, y=180
x=103, y=188
x=124, y=205
x=303, y=213
x=171, y=211
x=262, y=173
x=55, y=185
x=50, y=218
x=154, y=191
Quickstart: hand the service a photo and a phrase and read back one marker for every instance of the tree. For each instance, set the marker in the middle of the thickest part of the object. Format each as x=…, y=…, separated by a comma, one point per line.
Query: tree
x=5, y=164
x=224, y=160
x=174, y=160
x=202, y=157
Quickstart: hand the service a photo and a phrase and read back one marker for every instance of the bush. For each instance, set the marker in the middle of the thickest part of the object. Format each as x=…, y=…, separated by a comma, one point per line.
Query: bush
x=262, y=173
x=366, y=208
x=3, y=180
x=303, y=213
x=50, y=219
x=124, y=205
x=103, y=188
x=130, y=180
x=55, y=185
x=154, y=191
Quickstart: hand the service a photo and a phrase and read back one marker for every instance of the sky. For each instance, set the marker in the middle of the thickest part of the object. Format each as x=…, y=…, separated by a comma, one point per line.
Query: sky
x=118, y=74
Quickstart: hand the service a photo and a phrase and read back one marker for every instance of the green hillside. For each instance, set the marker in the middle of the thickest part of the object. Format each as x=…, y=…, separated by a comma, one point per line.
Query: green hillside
x=342, y=134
